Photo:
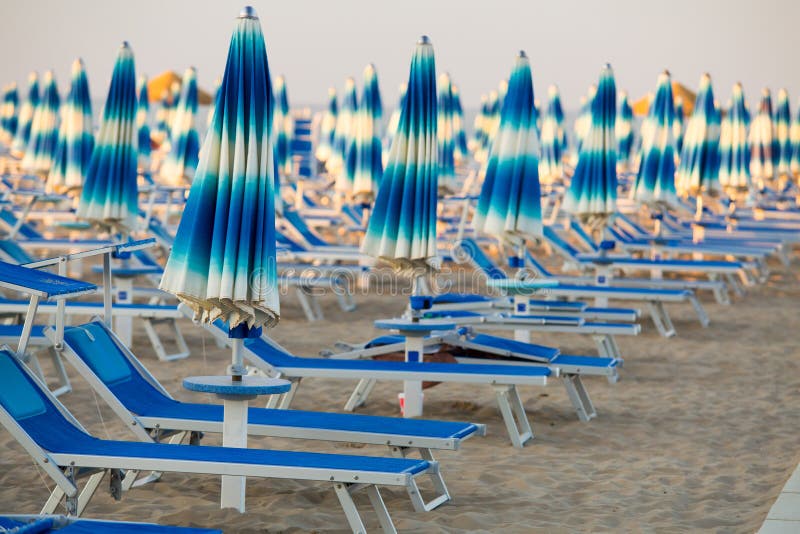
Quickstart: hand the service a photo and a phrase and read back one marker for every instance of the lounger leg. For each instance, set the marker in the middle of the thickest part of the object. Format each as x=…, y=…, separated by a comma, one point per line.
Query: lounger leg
x=360, y=394
x=52, y=502
x=735, y=285
x=158, y=346
x=602, y=347
x=345, y=299
x=305, y=303
x=63, y=379
x=579, y=397
x=379, y=506
x=519, y=429
x=720, y=293
x=701, y=312
x=661, y=319
x=132, y=479
x=283, y=401
x=349, y=507
x=88, y=490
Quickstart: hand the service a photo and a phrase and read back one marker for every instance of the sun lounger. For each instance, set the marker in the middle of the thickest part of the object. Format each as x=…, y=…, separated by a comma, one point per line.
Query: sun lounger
x=63, y=449
x=61, y=524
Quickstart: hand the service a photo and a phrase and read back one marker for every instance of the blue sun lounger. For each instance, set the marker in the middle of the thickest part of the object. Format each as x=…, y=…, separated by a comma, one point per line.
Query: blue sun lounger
x=61, y=524
x=63, y=449
x=655, y=298
x=144, y=405
x=272, y=359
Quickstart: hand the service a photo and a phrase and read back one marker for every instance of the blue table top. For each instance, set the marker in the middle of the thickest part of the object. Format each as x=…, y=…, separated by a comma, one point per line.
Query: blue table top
x=407, y=325
x=249, y=386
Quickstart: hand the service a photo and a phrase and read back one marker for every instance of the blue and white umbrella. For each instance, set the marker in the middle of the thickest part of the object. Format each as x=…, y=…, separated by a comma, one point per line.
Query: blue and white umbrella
x=509, y=205
x=677, y=125
x=783, y=122
x=161, y=130
x=763, y=144
x=75, y=135
x=223, y=262
x=734, y=165
x=794, y=139
x=584, y=120
x=282, y=127
x=109, y=195
x=402, y=228
x=345, y=129
x=655, y=181
x=142, y=125
x=8, y=113
x=393, y=123
x=184, y=142
x=327, y=128
x=41, y=147
x=367, y=151
x=445, y=135
x=698, y=170
x=624, y=131
x=25, y=117
x=553, y=139
x=461, y=151
x=592, y=194
x=211, y=106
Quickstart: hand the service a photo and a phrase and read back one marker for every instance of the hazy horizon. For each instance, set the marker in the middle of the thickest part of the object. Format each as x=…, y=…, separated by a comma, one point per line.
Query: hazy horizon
x=317, y=45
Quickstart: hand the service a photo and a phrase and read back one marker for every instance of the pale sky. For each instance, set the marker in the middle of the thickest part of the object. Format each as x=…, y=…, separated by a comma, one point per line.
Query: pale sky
x=316, y=44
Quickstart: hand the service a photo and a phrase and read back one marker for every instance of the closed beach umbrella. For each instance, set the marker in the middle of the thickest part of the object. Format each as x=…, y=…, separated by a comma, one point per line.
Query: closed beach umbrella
x=592, y=194
x=75, y=135
x=445, y=135
x=345, y=126
x=327, y=128
x=393, y=123
x=698, y=170
x=368, y=152
x=783, y=122
x=8, y=113
x=584, y=121
x=459, y=134
x=509, y=204
x=212, y=104
x=109, y=195
x=223, y=262
x=677, y=125
x=655, y=181
x=763, y=144
x=402, y=228
x=44, y=129
x=734, y=165
x=184, y=142
x=553, y=139
x=624, y=131
x=794, y=139
x=282, y=127
x=142, y=126
x=25, y=117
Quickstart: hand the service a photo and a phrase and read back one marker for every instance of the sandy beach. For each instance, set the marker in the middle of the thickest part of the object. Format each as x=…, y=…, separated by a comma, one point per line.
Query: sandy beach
x=700, y=434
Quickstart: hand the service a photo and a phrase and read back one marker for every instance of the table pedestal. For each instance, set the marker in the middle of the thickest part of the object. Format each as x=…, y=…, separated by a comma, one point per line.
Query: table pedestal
x=412, y=390
x=123, y=324
x=234, y=434
x=522, y=307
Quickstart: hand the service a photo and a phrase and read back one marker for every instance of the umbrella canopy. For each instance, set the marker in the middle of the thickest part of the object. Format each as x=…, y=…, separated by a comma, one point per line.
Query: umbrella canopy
x=584, y=120
x=734, y=165
x=445, y=135
x=624, y=130
x=459, y=134
x=212, y=104
x=553, y=138
x=142, y=126
x=655, y=181
x=327, y=128
x=282, y=127
x=8, y=113
x=345, y=129
x=109, y=195
x=509, y=206
x=763, y=144
x=402, y=228
x=184, y=142
x=393, y=123
x=367, y=151
x=44, y=129
x=75, y=135
x=677, y=125
x=593, y=190
x=783, y=121
x=699, y=165
x=794, y=138
x=25, y=117
x=223, y=261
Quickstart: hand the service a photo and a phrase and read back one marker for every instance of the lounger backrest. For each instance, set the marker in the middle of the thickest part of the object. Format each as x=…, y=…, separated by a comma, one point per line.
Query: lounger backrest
x=534, y=264
x=26, y=230
x=14, y=252
x=17, y=394
x=583, y=236
x=480, y=260
x=297, y=222
x=92, y=343
x=560, y=244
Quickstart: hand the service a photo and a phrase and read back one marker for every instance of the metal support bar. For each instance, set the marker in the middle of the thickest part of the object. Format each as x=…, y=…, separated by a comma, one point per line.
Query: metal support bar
x=513, y=411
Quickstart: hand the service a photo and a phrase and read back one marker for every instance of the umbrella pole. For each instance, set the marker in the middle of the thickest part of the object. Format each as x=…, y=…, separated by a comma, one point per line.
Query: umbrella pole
x=238, y=334
x=521, y=302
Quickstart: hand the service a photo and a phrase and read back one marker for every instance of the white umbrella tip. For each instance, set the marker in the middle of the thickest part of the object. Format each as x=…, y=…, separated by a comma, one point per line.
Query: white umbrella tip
x=424, y=40
x=248, y=12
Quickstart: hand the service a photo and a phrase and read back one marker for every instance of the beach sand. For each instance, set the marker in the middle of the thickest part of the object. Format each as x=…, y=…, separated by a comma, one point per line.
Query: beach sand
x=700, y=433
